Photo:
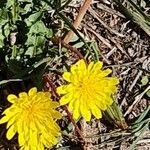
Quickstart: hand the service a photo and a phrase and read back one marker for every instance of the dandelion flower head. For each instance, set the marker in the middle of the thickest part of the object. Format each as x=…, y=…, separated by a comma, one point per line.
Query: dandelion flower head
x=88, y=90
x=33, y=116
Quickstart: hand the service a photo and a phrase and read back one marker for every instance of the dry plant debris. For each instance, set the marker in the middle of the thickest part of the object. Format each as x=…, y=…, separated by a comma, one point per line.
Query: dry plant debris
x=124, y=47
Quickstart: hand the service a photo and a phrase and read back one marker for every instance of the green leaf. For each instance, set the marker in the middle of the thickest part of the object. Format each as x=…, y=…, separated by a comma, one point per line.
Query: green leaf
x=144, y=80
x=132, y=146
x=38, y=28
x=40, y=40
x=140, y=122
x=37, y=34
x=148, y=93
x=14, y=52
x=32, y=19
x=10, y=3
x=25, y=6
x=142, y=116
x=49, y=33
x=143, y=4
x=74, y=38
x=30, y=51
x=7, y=30
x=78, y=45
x=1, y=39
x=31, y=40
x=44, y=60
x=136, y=15
x=96, y=50
x=3, y=16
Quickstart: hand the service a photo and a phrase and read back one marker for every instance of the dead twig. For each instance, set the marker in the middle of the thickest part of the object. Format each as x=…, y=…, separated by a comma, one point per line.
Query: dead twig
x=145, y=64
x=78, y=20
x=96, y=16
x=137, y=99
x=105, y=41
x=111, y=52
x=109, y=10
x=118, y=45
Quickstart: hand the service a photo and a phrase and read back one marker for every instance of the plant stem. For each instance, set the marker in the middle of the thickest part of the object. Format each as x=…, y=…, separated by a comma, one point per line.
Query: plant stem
x=78, y=20
x=64, y=44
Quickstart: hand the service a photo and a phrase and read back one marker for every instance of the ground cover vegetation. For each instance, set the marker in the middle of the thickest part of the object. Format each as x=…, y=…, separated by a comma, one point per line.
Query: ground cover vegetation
x=74, y=74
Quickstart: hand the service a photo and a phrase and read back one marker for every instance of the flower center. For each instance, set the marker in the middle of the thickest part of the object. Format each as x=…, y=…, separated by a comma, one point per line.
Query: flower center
x=86, y=86
x=29, y=109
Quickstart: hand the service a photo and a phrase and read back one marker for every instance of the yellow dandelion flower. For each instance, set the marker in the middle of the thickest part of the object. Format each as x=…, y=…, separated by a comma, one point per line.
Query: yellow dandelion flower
x=88, y=91
x=33, y=116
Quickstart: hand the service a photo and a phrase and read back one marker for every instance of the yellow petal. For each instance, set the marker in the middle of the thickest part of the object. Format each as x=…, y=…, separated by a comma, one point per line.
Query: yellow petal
x=62, y=89
x=11, y=132
x=76, y=112
x=54, y=104
x=113, y=81
x=100, y=102
x=66, y=76
x=71, y=105
x=96, y=112
x=110, y=89
x=26, y=147
x=74, y=69
x=21, y=139
x=40, y=146
x=97, y=66
x=108, y=100
x=90, y=66
x=12, y=98
x=23, y=128
x=57, y=115
x=33, y=147
x=33, y=126
x=20, y=126
x=85, y=111
x=74, y=77
x=11, y=121
x=23, y=95
x=101, y=105
x=4, y=120
x=47, y=138
x=32, y=91
x=105, y=73
x=26, y=129
x=81, y=65
x=47, y=94
x=8, y=111
x=66, y=99
x=33, y=138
